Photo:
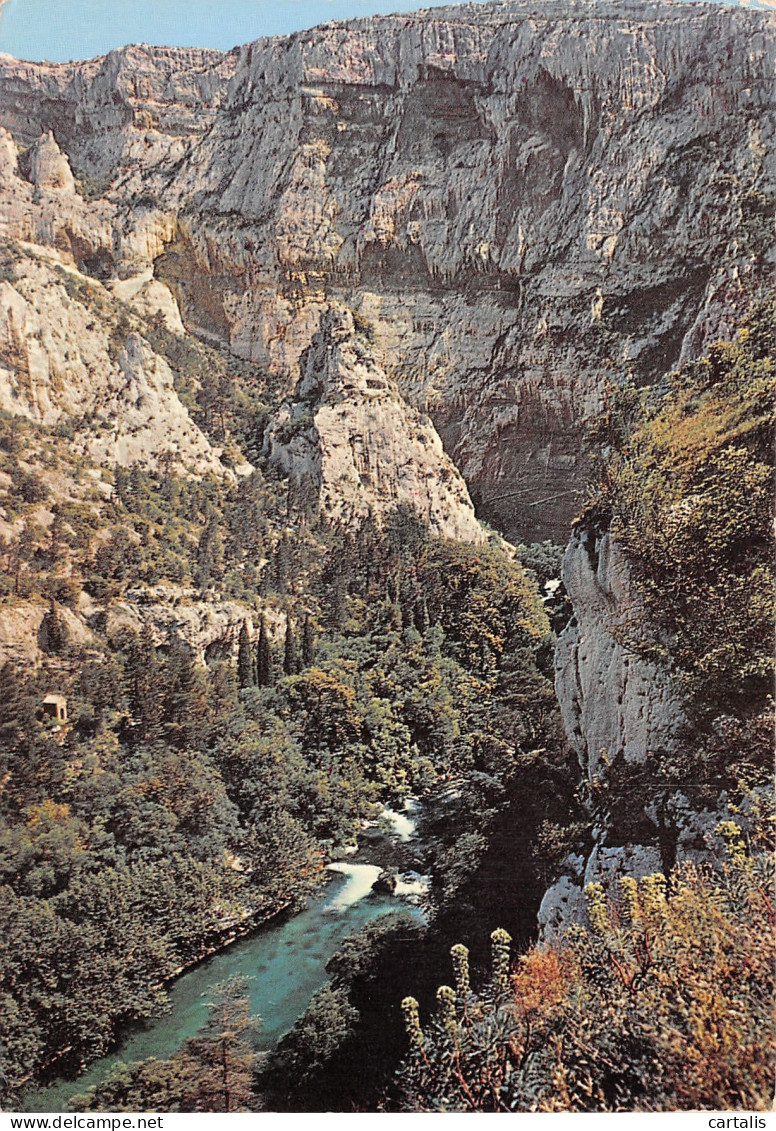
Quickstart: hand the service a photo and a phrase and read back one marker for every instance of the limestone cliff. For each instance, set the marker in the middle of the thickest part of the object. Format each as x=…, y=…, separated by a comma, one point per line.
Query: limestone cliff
x=349, y=435
x=64, y=357
x=614, y=704
x=619, y=710
x=521, y=198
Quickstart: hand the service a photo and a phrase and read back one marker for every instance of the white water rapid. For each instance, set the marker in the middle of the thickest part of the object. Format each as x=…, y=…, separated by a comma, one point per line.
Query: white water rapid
x=402, y=824
x=360, y=880
x=412, y=886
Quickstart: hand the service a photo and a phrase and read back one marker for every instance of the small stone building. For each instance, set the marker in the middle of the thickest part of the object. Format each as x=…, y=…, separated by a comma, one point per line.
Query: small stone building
x=55, y=706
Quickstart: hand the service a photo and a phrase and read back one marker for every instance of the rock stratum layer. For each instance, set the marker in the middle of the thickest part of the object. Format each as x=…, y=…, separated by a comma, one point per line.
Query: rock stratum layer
x=520, y=199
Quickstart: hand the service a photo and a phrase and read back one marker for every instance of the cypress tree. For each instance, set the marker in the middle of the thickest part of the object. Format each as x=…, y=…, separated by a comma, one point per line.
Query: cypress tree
x=55, y=629
x=244, y=659
x=264, y=656
x=308, y=642
x=422, y=619
x=289, y=650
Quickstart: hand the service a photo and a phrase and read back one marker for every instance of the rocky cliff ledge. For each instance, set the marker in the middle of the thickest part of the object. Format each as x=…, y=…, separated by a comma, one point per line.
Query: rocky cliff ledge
x=520, y=198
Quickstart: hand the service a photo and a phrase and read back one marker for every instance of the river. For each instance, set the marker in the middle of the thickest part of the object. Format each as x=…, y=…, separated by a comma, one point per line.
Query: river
x=285, y=961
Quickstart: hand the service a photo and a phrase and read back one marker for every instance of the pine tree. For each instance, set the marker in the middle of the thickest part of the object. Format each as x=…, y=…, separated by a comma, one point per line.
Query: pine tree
x=21, y=554
x=244, y=659
x=120, y=483
x=16, y=714
x=183, y=700
x=142, y=678
x=264, y=674
x=222, y=1052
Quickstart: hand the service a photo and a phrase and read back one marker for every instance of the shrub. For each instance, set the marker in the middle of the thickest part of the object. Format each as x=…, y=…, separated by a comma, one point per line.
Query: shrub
x=663, y=1003
x=29, y=485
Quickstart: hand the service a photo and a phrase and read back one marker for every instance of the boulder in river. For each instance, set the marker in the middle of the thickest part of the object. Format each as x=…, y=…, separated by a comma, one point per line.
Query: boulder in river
x=385, y=883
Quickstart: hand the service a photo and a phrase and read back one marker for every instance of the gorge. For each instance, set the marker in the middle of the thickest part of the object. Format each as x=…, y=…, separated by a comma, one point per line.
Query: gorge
x=313, y=355
x=521, y=202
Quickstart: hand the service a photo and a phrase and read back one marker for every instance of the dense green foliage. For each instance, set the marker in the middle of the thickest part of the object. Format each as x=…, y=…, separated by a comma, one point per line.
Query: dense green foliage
x=183, y=803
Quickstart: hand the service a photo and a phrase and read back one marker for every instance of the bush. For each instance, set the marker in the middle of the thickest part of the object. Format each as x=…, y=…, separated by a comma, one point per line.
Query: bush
x=664, y=1003
x=29, y=485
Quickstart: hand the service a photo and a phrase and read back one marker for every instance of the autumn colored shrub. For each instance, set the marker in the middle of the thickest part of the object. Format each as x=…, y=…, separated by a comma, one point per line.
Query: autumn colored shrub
x=664, y=1002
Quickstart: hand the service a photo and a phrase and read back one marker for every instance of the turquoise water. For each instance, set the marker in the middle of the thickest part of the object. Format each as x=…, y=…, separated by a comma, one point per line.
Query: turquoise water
x=287, y=963
x=59, y=30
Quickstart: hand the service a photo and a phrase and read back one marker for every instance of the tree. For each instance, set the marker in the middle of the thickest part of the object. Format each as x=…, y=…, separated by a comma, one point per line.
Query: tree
x=22, y=553
x=142, y=682
x=325, y=711
x=245, y=675
x=222, y=1051
x=25, y=761
x=183, y=697
x=308, y=642
x=327, y=1024
x=212, y=1072
x=210, y=553
x=55, y=630
x=289, y=650
x=264, y=673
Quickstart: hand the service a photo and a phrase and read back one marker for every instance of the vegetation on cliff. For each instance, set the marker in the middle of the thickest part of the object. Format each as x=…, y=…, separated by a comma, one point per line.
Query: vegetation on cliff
x=690, y=494
x=663, y=1000
x=663, y=1003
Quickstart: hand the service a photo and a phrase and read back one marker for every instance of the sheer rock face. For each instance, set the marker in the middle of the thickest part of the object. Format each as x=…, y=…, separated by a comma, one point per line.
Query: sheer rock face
x=349, y=434
x=618, y=707
x=521, y=198
x=614, y=704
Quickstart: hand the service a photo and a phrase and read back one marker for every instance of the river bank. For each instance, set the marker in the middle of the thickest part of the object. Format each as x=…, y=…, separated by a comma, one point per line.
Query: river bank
x=285, y=959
